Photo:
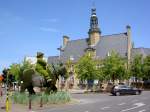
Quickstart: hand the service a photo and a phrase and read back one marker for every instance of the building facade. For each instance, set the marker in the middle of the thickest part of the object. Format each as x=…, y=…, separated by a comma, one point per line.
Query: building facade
x=33, y=59
x=99, y=45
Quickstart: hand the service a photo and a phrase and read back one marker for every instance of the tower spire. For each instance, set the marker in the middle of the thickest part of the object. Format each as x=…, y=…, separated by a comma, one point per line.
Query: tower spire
x=94, y=31
x=94, y=20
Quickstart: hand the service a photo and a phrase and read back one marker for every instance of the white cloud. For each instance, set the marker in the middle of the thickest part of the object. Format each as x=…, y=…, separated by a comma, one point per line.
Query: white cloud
x=49, y=29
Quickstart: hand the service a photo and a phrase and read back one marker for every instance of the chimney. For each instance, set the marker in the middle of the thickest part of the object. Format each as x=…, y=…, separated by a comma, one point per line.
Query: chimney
x=129, y=43
x=65, y=40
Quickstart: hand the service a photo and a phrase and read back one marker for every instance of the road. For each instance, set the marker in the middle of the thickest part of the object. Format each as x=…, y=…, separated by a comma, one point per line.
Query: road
x=106, y=103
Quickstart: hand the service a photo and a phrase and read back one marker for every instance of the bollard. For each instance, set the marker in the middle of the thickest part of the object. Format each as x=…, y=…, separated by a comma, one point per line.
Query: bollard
x=41, y=102
x=30, y=107
x=7, y=103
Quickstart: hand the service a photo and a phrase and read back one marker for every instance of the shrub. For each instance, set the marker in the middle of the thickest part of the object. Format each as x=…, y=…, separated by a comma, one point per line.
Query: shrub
x=20, y=98
x=53, y=98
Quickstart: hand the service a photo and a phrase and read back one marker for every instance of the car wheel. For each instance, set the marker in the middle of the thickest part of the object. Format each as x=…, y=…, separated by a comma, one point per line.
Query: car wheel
x=137, y=92
x=117, y=94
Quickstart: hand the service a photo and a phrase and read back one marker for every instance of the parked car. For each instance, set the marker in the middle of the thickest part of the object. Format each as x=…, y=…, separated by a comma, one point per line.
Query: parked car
x=124, y=89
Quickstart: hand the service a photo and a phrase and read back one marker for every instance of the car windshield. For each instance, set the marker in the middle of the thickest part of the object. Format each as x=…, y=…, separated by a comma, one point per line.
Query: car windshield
x=122, y=86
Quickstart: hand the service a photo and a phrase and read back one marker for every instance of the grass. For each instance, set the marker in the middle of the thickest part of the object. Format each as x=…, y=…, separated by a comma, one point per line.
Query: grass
x=53, y=98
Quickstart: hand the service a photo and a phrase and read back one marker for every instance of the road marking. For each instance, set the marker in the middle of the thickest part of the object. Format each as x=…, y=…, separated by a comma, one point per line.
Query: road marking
x=105, y=108
x=87, y=111
x=137, y=105
x=122, y=104
x=142, y=110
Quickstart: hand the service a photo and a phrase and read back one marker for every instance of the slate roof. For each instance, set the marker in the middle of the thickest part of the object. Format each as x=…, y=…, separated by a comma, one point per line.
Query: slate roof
x=109, y=43
x=76, y=48
x=53, y=60
x=144, y=51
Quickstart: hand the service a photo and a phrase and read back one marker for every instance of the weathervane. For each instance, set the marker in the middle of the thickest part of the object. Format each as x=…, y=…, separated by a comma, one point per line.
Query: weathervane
x=93, y=4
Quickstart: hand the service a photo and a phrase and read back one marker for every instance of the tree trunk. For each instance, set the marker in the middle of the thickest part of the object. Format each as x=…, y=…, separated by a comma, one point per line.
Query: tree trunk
x=113, y=79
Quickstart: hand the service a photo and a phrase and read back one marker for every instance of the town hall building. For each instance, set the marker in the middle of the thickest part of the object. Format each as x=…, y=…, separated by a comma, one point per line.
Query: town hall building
x=99, y=45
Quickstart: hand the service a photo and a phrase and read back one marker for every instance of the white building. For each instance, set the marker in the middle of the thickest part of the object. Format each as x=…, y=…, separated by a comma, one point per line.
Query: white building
x=33, y=59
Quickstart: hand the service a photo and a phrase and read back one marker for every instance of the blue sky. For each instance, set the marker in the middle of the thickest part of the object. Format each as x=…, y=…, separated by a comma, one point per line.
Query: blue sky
x=28, y=26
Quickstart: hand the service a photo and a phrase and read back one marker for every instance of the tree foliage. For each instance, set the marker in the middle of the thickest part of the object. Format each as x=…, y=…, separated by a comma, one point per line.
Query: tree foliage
x=58, y=70
x=7, y=76
x=137, y=67
x=41, y=67
x=86, y=68
x=146, y=68
x=17, y=69
x=100, y=72
x=114, y=67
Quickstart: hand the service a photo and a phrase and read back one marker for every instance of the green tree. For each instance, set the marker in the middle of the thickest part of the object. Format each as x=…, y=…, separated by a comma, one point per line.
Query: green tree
x=100, y=72
x=54, y=71
x=41, y=66
x=86, y=68
x=17, y=69
x=58, y=70
x=146, y=68
x=114, y=67
x=8, y=78
x=137, y=67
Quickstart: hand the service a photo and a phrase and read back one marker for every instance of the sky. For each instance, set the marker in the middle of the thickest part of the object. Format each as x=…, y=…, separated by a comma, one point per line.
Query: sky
x=29, y=26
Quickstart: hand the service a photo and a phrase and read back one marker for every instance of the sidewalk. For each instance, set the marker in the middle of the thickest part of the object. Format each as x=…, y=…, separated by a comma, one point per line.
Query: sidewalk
x=21, y=107
x=35, y=108
x=2, y=103
x=16, y=107
x=12, y=107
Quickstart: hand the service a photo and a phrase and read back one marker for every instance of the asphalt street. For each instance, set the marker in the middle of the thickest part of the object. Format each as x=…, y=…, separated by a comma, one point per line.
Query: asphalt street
x=106, y=103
